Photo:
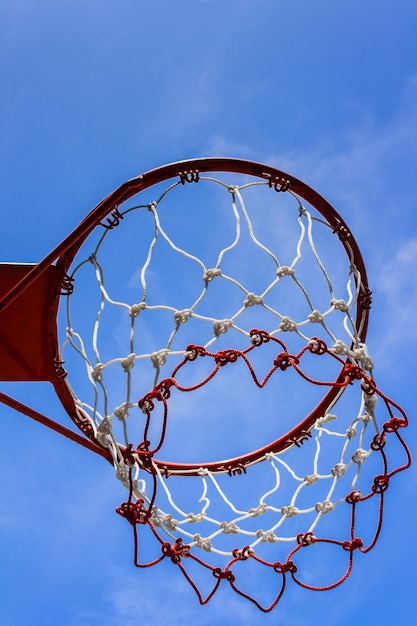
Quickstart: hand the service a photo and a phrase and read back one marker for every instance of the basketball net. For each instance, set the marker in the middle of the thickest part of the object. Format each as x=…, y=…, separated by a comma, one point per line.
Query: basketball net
x=224, y=317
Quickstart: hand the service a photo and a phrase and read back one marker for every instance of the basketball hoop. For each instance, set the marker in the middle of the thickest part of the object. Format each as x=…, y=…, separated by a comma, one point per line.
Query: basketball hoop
x=213, y=316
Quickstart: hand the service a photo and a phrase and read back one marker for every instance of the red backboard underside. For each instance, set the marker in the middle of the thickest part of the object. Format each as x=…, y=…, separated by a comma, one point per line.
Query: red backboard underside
x=28, y=341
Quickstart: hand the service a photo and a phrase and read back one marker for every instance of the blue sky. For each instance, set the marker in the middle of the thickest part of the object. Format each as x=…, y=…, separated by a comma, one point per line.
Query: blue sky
x=95, y=93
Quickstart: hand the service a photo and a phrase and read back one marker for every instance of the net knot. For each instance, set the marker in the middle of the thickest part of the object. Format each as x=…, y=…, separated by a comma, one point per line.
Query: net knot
x=175, y=551
x=252, y=300
x=259, y=510
x=340, y=305
x=317, y=346
x=266, y=537
x=360, y=456
x=325, y=419
x=157, y=518
x=339, y=470
x=394, y=424
x=224, y=574
x=135, y=309
x=97, y=372
x=258, y=337
x=353, y=497
x=351, y=432
x=129, y=456
x=181, y=317
x=289, y=511
x=146, y=403
x=170, y=522
x=284, y=568
x=195, y=519
x=287, y=324
x=352, y=545
x=104, y=431
x=285, y=360
x=211, y=274
x=361, y=355
x=122, y=472
x=353, y=372
x=316, y=317
x=306, y=539
x=105, y=427
x=133, y=512
x=226, y=356
x=381, y=483
x=368, y=385
x=378, y=442
x=324, y=507
x=202, y=542
x=284, y=270
x=229, y=528
x=340, y=348
x=221, y=327
x=243, y=554
x=162, y=390
x=192, y=352
x=128, y=362
x=310, y=480
x=370, y=403
x=121, y=412
x=159, y=358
